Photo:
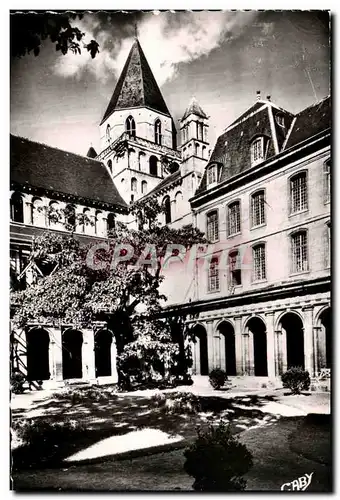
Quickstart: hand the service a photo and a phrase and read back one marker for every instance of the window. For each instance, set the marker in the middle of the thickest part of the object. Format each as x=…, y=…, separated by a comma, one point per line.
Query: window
x=110, y=223
x=130, y=126
x=158, y=132
x=99, y=226
x=199, y=131
x=234, y=218
x=70, y=217
x=134, y=185
x=257, y=209
x=178, y=203
x=298, y=193
x=140, y=160
x=327, y=180
x=212, y=226
x=234, y=269
x=109, y=165
x=204, y=149
x=38, y=212
x=213, y=275
x=299, y=252
x=53, y=214
x=167, y=209
x=257, y=151
x=86, y=220
x=212, y=175
x=197, y=149
x=17, y=208
x=108, y=133
x=144, y=187
x=259, y=262
x=280, y=120
x=153, y=165
x=328, y=246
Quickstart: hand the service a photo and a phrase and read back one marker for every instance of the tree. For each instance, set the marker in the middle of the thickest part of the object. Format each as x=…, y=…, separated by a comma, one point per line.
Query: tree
x=28, y=30
x=83, y=284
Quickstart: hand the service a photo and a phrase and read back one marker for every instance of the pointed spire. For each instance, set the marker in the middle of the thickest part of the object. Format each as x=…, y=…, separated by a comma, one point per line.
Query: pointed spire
x=136, y=86
x=91, y=152
x=195, y=109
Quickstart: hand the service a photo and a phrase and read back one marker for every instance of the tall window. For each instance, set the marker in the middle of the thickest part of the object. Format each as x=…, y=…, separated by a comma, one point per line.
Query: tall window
x=298, y=193
x=259, y=262
x=54, y=215
x=86, y=221
x=109, y=165
x=167, y=209
x=144, y=187
x=130, y=126
x=234, y=218
x=110, y=222
x=70, y=217
x=158, y=132
x=327, y=180
x=38, y=212
x=213, y=275
x=108, y=133
x=17, y=208
x=212, y=175
x=153, y=165
x=140, y=160
x=257, y=150
x=328, y=245
x=199, y=131
x=257, y=209
x=212, y=226
x=134, y=185
x=299, y=252
x=234, y=269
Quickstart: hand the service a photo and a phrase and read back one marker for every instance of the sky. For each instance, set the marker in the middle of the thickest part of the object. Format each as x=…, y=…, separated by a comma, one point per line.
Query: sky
x=220, y=57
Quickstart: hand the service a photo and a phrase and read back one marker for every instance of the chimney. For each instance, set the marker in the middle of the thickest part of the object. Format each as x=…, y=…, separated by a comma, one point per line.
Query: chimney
x=268, y=97
x=258, y=95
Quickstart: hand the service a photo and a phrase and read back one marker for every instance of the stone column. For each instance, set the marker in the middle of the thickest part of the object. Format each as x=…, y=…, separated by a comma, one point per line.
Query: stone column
x=56, y=354
x=270, y=346
x=27, y=201
x=88, y=361
x=210, y=342
x=279, y=360
x=320, y=347
x=245, y=357
x=308, y=337
x=238, y=346
x=251, y=359
x=114, y=372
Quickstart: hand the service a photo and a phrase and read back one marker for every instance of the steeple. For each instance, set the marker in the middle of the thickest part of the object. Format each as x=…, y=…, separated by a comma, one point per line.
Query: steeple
x=194, y=109
x=136, y=86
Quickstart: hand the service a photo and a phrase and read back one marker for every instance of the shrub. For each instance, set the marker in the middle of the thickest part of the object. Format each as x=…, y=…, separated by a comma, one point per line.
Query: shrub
x=77, y=395
x=217, y=460
x=17, y=382
x=217, y=378
x=296, y=379
x=183, y=403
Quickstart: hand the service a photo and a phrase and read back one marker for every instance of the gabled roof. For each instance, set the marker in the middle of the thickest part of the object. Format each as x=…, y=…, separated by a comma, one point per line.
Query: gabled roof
x=136, y=86
x=310, y=121
x=91, y=153
x=40, y=166
x=167, y=181
x=195, y=109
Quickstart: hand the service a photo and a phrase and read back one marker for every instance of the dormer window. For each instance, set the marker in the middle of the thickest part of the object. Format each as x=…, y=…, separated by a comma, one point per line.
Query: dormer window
x=280, y=120
x=212, y=175
x=257, y=150
x=130, y=126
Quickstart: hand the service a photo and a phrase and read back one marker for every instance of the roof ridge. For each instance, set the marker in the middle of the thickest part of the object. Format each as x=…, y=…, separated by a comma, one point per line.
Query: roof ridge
x=313, y=105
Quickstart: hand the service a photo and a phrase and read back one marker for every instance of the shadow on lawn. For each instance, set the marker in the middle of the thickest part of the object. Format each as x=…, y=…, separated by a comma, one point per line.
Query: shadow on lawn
x=118, y=415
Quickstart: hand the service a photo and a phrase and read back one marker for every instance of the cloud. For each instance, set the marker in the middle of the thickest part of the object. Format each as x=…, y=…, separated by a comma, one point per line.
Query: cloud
x=168, y=40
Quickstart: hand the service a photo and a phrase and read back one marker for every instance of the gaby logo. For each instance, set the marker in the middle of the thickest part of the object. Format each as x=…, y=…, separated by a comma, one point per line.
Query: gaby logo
x=300, y=484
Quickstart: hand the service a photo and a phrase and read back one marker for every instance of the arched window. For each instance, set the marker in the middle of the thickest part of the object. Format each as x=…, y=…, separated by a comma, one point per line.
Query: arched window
x=130, y=126
x=234, y=218
x=199, y=131
x=38, y=212
x=298, y=193
x=86, y=221
x=109, y=165
x=167, y=209
x=234, y=269
x=17, y=208
x=108, y=133
x=259, y=262
x=212, y=226
x=258, y=215
x=153, y=165
x=54, y=215
x=70, y=217
x=213, y=275
x=211, y=175
x=98, y=223
x=197, y=149
x=140, y=160
x=178, y=203
x=110, y=222
x=144, y=187
x=158, y=132
x=204, y=150
x=257, y=151
x=299, y=248
x=134, y=185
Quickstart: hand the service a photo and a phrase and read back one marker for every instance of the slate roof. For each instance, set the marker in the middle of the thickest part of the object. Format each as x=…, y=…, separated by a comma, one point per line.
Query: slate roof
x=136, y=86
x=165, y=182
x=91, y=153
x=194, y=108
x=310, y=121
x=40, y=166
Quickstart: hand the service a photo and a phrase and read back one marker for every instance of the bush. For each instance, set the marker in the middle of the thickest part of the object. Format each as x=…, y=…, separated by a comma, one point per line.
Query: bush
x=77, y=395
x=217, y=461
x=217, y=378
x=17, y=382
x=296, y=379
x=182, y=403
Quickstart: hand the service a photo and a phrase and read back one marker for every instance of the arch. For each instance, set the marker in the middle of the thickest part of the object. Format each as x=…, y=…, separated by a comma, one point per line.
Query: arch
x=37, y=344
x=173, y=167
x=167, y=209
x=108, y=133
x=109, y=166
x=86, y=220
x=53, y=216
x=102, y=352
x=204, y=149
x=134, y=185
x=99, y=223
x=324, y=340
x=38, y=213
x=111, y=224
x=141, y=155
x=291, y=325
x=70, y=216
x=144, y=187
x=158, y=131
x=257, y=328
x=17, y=207
x=72, y=342
x=200, y=350
x=227, y=346
x=153, y=165
x=130, y=126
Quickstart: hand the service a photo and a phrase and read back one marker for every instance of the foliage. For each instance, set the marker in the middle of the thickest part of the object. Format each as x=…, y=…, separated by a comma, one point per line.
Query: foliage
x=217, y=378
x=217, y=460
x=17, y=382
x=183, y=403
x=79, y=395
x=29, y=31
x=296, y=379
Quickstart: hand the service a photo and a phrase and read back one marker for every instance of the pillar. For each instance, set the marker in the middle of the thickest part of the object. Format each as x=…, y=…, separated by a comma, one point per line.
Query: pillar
x=27, y=201
x=88, y=361
x=270, y=345
x=320, y=347
x=114, y=372
x=56, y=354
x=308, y=336
x=245, y=350
x=279, y=360
x=210, y=342
x=238, y=346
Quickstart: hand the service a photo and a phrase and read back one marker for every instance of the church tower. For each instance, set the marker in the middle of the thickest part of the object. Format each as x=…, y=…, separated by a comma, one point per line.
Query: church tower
x=137, y=132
